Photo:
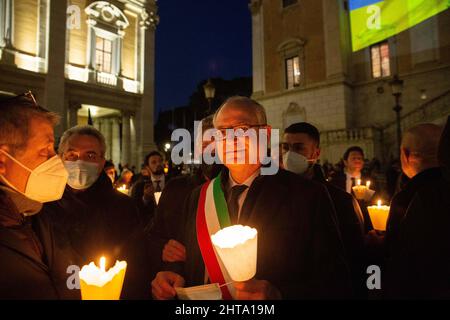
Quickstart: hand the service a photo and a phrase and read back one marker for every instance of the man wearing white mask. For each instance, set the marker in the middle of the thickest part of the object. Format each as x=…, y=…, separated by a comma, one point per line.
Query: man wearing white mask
x=301, y=151
x=92, y=218
x=30, y=174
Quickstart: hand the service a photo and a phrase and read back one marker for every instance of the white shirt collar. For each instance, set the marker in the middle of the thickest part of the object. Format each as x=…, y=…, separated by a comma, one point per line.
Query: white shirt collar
x=160, y=178
x=248, y=182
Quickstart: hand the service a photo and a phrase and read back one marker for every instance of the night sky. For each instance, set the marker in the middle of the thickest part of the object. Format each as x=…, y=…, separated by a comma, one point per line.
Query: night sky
x=198, y=39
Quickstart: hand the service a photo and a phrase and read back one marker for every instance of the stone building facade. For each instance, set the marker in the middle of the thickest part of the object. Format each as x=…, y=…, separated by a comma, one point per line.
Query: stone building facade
x=304, y=70
x=82, y=57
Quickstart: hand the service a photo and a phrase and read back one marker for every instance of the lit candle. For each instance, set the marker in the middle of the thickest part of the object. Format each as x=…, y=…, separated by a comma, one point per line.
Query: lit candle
x=157, y=196
x=99, y=284
x=123, y=189
x=368, y=184
x=359, y=190
x=379, y=215
x=237, y=248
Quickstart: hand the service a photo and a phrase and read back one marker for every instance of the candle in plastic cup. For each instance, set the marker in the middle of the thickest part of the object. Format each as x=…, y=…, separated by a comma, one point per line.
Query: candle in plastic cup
x=157, y=196
x=379, y=215
x=98, y=284
x=123, y=189
x=237, y=249
x=359, y=190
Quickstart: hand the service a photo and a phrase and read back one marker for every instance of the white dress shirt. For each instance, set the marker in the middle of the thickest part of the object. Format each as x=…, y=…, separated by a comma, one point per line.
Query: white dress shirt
x=161, y=179
x=231, y=183
x=348, y=185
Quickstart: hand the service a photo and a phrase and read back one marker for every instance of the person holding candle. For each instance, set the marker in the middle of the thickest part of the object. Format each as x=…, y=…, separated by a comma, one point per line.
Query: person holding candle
x=418, y=266
x=92, y=218
x=301, y=152
x=419, y=159
x=143, y=191
x=30, y=174
x=300, y=253
x=165, y=231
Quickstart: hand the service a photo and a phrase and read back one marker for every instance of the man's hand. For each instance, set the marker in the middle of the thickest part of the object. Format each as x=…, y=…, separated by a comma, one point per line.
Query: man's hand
x=164, y=283
x=174, y=252
x=149, y=192
x=375, y=238
x=256, y=290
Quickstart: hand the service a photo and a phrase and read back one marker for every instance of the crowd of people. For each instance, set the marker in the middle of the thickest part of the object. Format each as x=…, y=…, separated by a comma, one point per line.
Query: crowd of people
x=315, y=238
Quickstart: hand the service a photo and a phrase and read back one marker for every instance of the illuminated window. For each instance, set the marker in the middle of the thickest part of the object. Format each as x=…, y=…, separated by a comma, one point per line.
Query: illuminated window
x=293, y=72
x=379, y=55
x=103, y=54
x=287, y=3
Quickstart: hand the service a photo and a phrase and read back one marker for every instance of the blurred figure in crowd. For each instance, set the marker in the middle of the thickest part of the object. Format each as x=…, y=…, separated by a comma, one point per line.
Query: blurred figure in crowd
x=110, y=171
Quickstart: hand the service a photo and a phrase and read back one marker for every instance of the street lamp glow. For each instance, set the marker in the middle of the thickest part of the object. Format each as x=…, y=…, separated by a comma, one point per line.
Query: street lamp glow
x=167, y=146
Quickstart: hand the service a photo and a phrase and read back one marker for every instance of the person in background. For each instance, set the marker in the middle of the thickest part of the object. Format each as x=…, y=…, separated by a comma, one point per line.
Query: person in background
x=93, y=219
x=165, y=230
x=110, y=171
x=125, y=179
x=419, y=266
x=301, y=150
x=30, y=175
x=419, y=160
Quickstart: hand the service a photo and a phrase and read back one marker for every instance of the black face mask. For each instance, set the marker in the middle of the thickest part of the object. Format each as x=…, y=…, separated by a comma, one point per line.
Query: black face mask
x=211, y=170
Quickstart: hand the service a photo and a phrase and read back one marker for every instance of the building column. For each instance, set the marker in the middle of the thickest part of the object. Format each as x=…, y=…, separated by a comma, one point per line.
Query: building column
x=42, y=34
x=258, y=47
x=107, y=133
x=90, y=51
x=115, y=150
x=6, y=32
x=134, y=156
x=54, y=97
x=337, y=40
x=126, y=138
x=73, y=114
x=145, y=116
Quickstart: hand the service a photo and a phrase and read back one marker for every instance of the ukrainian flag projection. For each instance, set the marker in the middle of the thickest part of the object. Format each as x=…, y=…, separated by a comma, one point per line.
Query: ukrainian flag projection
x=373, y=20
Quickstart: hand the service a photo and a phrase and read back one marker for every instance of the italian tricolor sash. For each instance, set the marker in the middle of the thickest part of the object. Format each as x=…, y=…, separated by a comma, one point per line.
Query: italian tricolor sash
x=212, y=215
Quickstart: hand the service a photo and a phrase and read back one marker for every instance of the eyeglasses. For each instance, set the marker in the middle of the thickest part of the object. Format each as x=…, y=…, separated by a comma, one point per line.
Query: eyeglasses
x=28, y=96
x=244, y=130
x=75, y=155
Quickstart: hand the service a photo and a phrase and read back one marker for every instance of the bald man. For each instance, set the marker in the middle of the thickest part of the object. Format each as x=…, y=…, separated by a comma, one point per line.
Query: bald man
x=300, y=252
x=419, y=159
x=419, y=265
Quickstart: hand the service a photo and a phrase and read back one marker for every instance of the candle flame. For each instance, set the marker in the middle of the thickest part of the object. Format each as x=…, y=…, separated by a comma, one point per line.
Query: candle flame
x=358, y=182
x=379, y=203
x=102, y=264
x=368, y=184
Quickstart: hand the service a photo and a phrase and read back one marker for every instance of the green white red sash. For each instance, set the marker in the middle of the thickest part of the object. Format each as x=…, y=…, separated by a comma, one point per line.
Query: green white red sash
x=212, y=215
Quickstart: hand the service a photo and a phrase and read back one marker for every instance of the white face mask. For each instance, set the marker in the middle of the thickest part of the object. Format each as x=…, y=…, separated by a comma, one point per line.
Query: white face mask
x=46, y=183
x=82, y=174
x=296, y=162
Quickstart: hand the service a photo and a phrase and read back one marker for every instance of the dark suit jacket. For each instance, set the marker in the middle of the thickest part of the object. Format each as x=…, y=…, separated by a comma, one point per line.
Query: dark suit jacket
x=25, y=273
x=402, y=200
x=351, y=225
x=146, y=209
x=419, y=263
x=300, y=250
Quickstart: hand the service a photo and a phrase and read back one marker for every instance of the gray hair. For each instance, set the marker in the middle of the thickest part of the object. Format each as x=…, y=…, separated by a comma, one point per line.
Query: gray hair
x=245, y=102
x=82, y=130
x=15, y=117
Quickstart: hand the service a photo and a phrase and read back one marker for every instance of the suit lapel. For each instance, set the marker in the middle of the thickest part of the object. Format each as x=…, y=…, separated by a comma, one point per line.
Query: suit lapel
x=250, y=200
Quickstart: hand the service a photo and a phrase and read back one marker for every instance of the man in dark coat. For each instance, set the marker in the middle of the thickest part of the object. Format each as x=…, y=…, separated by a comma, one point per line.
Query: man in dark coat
x=93, y=219
x=300, y=253
x=30, y=174
x=301, y=150
x=419, y=158
x=419, y=264
x=142, y=192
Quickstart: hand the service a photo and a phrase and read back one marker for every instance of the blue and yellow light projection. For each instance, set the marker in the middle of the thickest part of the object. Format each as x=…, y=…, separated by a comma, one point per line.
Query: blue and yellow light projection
x=373, y=20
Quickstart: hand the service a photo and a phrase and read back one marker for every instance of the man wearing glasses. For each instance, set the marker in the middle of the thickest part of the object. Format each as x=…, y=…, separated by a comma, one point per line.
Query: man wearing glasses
x=30, y=174
x=300, y=254
x=93, y=218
